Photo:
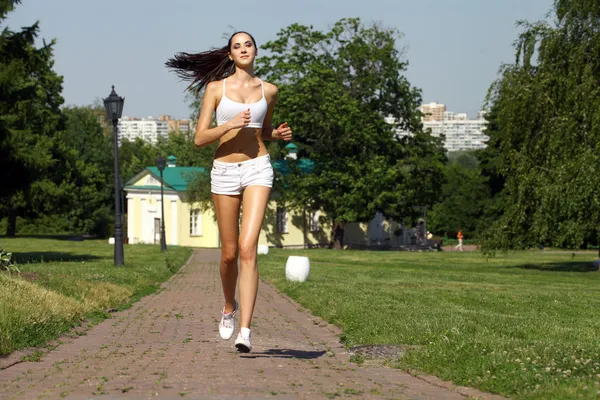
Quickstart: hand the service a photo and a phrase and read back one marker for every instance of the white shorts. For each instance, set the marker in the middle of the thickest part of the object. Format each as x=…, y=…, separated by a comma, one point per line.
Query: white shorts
x=233, y=178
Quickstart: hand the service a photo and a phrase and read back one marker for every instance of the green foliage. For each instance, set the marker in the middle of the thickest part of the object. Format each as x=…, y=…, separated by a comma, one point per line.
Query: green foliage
x=79, y=189
x=56, y=165
x=30, y=97
x=467, y=159
x=545, y=135
x=6, y=263
x=134, y=156
x=335, y=88
x=464, y=196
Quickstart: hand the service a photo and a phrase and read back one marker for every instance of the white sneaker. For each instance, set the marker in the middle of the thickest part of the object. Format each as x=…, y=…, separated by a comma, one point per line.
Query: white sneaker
x=227, y=324
x=244, y=344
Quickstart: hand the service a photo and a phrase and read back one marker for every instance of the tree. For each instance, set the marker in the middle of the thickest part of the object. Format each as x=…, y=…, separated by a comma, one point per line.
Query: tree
x=86, y=169
x=546, y=134
x=335, y=89
x=188, y=155
x=30, y=99
x=75, y=195
x=134, y=156
x=464, y=196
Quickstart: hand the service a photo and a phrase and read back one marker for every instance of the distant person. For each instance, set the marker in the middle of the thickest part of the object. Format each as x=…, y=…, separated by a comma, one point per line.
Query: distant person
x=242, y=173
x=460, y=240
x=420, y=232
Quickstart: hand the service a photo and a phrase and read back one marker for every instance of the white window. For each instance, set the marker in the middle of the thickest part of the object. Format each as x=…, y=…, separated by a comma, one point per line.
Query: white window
x=314, y=223
x=195, y=223
x=282, y=220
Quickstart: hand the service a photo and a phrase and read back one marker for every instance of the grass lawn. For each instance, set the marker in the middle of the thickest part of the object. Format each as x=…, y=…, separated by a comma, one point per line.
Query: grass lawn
x=63, y=283
x=526, y=324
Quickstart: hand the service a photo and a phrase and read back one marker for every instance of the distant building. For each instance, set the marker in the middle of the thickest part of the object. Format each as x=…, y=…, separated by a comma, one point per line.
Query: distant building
x=461, y=133
x=177, y=125
x=433, y=111
x=150, y=129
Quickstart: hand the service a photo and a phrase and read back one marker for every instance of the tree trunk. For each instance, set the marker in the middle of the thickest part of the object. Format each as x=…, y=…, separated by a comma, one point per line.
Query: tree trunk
x=11, y=228
x=338, y=235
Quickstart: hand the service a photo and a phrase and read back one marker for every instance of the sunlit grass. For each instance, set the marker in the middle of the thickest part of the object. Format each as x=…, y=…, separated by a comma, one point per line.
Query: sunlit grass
x=524, y=324
x=63, y=283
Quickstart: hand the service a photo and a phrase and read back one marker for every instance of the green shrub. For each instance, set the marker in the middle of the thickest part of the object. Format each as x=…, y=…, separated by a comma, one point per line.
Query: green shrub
x=6, y=263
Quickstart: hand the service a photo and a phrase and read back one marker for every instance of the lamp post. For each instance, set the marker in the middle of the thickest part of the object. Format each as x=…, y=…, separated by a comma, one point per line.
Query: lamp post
x=113, y=105
x=160, y=163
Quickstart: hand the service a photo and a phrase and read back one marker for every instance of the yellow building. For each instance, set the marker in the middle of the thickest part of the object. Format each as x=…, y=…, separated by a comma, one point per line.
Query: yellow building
x=187, y=225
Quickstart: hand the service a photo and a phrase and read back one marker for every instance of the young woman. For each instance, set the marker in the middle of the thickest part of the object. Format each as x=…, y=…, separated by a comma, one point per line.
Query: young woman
x=242, y=174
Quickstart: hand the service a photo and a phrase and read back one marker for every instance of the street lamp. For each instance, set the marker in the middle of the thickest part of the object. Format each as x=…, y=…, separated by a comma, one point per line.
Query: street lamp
x=113, y=105
x=160, y=163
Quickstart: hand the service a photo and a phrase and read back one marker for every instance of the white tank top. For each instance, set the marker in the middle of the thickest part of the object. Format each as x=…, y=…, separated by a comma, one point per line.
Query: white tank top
x=228, y=109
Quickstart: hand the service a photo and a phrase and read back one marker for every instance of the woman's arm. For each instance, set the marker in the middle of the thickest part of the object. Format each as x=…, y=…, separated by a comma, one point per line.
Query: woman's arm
x=268, y=132
x=206, y=135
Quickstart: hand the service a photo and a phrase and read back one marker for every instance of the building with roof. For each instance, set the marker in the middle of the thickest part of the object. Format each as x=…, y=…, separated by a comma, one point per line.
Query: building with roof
x=144, y=208
x=187, y=224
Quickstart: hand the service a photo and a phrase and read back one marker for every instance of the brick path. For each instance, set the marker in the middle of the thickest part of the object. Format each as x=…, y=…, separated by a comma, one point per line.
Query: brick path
x=167, y=346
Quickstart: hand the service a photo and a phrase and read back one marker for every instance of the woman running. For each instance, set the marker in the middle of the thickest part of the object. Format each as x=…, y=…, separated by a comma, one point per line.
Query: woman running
x=242, y=174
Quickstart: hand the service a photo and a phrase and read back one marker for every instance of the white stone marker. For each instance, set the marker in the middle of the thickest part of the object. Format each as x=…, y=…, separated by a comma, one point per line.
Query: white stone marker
x=297, y=268
x=263, y=249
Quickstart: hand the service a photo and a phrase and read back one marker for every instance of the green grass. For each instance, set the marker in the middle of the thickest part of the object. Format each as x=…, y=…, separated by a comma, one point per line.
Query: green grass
x=525, y=325
x=63, y=283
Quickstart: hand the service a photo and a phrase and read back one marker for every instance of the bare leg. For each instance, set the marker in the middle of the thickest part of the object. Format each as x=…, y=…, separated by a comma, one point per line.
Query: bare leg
x=254, y=204
x=228, y=214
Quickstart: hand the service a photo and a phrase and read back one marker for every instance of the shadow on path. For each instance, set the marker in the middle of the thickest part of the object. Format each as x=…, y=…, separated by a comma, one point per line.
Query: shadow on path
x=286, y=353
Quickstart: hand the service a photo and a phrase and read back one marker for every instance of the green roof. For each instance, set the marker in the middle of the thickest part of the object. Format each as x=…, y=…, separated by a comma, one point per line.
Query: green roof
x=175, y=178
x=178, y=178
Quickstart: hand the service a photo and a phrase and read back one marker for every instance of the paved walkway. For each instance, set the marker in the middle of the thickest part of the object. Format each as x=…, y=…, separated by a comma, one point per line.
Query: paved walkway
x=167, y=346
x=466, y=247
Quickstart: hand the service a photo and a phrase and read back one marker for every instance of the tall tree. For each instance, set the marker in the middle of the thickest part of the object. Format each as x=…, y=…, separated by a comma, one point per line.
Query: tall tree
x=335, y=90
x=546, y=110
x=30, y=99
x=464, y=196
x=134, y=156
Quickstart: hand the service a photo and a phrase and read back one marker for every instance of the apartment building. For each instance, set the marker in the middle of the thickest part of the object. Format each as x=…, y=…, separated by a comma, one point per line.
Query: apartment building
x=433, y=111
x=150, y=129
x=461, y=133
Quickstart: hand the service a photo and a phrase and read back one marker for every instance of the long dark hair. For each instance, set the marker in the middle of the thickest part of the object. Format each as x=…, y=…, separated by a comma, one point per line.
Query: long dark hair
x=207, y=66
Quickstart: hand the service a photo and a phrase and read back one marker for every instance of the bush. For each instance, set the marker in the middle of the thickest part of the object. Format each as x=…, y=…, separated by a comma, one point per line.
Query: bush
x=6, y=263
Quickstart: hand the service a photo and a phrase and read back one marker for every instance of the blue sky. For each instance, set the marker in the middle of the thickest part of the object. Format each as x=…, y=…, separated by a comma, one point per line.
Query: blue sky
x=454, y=47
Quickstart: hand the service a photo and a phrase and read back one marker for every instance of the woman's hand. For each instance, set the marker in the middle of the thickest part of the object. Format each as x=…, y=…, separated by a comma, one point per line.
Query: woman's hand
x=240, y=121
x=284, y=132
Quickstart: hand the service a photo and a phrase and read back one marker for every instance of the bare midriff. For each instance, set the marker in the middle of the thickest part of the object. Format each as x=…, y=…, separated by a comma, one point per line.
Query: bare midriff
x=240, y=145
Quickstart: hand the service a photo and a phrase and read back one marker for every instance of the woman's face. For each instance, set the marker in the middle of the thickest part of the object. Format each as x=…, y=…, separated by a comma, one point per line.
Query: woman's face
x=242, y=50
